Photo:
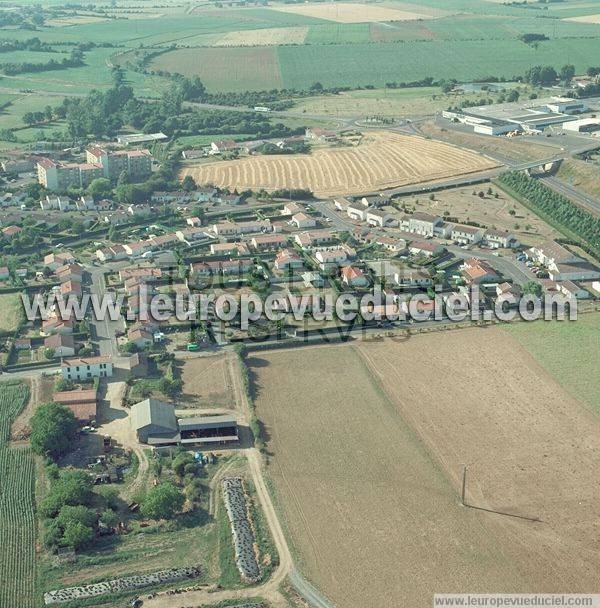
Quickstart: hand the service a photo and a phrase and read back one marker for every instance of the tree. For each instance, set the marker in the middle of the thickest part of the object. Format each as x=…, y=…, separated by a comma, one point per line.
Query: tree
x=532, y=287
x=53, y=430
x=162, y=501
x=100, y=187
x=188, y=183
x=567, y=72
x=77, y=514
x=62, y=384
x=71, y=488
x=77, y=535
x=180, y=462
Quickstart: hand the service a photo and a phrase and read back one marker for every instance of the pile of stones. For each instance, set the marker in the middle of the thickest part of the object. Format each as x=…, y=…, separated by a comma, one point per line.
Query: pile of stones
x=241, y=529
x=120, y=585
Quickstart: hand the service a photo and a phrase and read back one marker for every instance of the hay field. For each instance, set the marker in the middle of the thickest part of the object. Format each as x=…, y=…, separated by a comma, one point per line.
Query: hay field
x=382, y=160
x=367, y=449
x=207, y=383
x=264, y=37
x=12, y=313
x=346, y=12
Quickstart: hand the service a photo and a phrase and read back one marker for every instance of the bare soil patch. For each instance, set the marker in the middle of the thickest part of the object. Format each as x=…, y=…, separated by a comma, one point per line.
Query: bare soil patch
x=347, y=12
x=367, y=450
x=207, y=383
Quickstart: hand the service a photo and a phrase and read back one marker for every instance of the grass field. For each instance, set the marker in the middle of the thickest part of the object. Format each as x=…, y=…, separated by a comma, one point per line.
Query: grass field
x=366, y=461
x=17, y=515
x=12, y=312
x=489, y=211
x=382, y=160
x=569, y=351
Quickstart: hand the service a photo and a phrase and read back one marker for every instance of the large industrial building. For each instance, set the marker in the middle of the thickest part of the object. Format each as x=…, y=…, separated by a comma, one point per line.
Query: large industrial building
x=530, y=117
x=156, y=424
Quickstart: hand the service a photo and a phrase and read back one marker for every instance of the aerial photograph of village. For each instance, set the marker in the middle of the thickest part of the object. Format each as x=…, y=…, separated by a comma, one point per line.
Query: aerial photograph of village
x=299, y=303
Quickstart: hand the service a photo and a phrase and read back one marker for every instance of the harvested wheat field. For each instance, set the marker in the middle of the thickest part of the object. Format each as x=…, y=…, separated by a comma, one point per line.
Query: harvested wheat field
x=383, y=160
x=595, y=19
x=265, y=37
x=367, y=448
x=347, y=12
x=207, y=383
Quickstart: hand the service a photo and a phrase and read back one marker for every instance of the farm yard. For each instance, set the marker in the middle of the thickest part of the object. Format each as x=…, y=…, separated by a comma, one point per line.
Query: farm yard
x=382, y=160
x=348, y=458
x=17, y=515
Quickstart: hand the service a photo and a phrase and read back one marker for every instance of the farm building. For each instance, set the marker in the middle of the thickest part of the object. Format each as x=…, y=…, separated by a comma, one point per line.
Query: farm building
x=585, y=125
x=155, y=423
x=81, y=402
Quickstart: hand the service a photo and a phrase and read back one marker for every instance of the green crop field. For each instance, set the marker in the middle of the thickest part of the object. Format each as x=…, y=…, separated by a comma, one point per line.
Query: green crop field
x=338, y=33
x=17, y=514
x=226, y=69
x=568, y=351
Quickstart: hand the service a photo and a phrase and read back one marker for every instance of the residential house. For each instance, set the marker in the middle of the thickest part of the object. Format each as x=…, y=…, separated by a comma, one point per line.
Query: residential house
x=266, y=242
x=378, y=217
x=426, y=248
x=146, y=274
x=140, y=337
x=194, y=222
x=56, y=260
x=4, y=273
x=70, y=288
x=179, y=198
x=571, y=290
x=413, y=277
x=222, y=146
x=466, y=235
x=191, y=235
x=301, y=220
x=478, y=271
x=137, y=248
x=288, y=258
x=85, y=203
x=58, y=325
x=356, y=212
x=354, y=277
x=70, y=272
x=328, y=259
x=497, y=239
x=85, y=368
x=424, y=223
x=313, y=279
x=229, y=249
x=313, y=238
x=235, y=228
x=112, y=253
x=62, y=345
x=291, y=209
x=318, y=134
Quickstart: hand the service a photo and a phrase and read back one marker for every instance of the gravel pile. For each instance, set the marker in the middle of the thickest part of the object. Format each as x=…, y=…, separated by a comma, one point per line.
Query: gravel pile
x=241, y=529
x=120, y=584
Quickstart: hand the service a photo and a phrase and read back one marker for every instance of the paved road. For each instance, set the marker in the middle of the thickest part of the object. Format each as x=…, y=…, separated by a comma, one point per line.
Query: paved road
x=104, y=329
x=577, y=196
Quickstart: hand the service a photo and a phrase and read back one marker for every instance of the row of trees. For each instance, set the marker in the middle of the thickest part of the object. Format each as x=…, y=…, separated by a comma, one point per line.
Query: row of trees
x=74, y=60
x=556, y=206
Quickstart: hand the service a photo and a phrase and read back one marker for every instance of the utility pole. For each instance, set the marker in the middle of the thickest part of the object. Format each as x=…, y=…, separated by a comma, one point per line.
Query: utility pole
x=464, y=486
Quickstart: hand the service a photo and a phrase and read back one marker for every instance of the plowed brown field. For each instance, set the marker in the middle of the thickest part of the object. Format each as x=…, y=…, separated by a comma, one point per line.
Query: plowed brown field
x=384, y=160
x=367, y=449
